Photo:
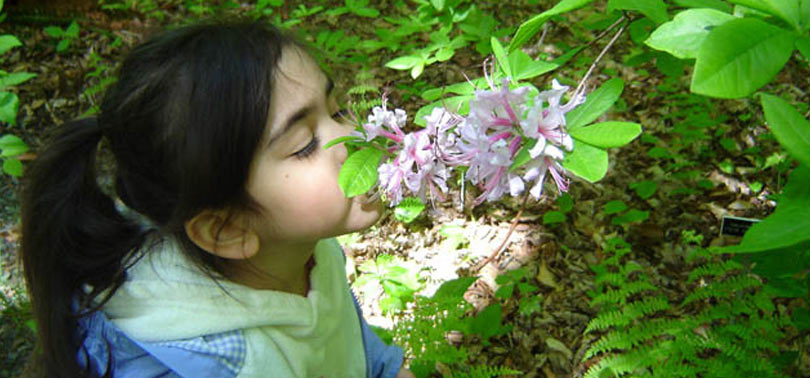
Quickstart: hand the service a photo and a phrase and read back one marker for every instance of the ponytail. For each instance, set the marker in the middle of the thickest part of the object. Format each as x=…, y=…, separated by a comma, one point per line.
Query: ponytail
x=74, y=242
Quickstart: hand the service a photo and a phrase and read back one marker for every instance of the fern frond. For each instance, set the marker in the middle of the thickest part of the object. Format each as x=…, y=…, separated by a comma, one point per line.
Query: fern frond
x=626, y=315
x=621, y=364
x=632, y=336
x=630, y=267
x=361, y=89
x=620, y=296
x=722, y=289
x=615, y=279
x=486, y=371
x=716, y=269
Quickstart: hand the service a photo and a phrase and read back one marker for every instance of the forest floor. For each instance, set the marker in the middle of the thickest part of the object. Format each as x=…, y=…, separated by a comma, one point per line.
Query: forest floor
x=704, y=156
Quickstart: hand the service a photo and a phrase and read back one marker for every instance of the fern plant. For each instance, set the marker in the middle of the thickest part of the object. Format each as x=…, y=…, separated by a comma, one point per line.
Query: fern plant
x=727, y=326
x=423, y=333
x=364, y=95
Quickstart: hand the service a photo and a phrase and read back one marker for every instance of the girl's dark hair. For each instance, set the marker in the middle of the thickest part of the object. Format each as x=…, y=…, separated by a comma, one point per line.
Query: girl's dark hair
x=183, y=123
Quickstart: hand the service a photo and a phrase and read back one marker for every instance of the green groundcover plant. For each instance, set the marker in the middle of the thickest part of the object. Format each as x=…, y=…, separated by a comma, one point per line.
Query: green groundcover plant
x=737, y=47
x=11, y=146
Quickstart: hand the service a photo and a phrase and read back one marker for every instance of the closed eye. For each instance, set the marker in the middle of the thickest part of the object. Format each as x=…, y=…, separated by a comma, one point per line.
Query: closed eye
x=309, y=149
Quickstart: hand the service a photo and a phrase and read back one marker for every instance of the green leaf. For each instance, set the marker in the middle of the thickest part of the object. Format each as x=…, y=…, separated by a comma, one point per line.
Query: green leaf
x=8, y=42
x=417, y=69
x=713, y=4
x=62, y=45
x=501, y=57
x=614, y=207
x=463, y=88
x=801, y=318
x=524, y=67
x=804, y=9
x=631, y=216
x=552, y=217
x=444, y=54
x=366, y=12
x=359, y=172
x=803, y=45
x=454, y=289
x=787, y=10
x=404, y=62
x=54, y=31
x=458, y=104
x=12, y=167
x=607, y=134
x=644, y=189
x=565, y=202
x=740, y=56
x=586, y=161
x=528, y=29
x=9, y=103
x=655, y=10
x=72, y=30
x=438, y=4
x=488, y=323
x=523, y=156
x=596, y=103
x=15, y=78
x=788, y=224
x=11, y=145
x=789, y=127
x=683, y=36
x=408, y=209
x=343, y=139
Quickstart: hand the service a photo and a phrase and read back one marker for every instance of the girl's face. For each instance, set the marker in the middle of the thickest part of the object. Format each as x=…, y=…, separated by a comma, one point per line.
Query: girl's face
x=292, y=177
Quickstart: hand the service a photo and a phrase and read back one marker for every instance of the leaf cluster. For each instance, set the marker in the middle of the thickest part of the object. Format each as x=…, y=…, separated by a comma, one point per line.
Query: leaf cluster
x=423, y=333
x=727, y=326
x=398, y=279
x=11, y=146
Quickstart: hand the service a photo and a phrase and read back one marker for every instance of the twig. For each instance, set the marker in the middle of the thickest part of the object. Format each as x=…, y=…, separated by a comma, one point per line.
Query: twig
x=543, y=36
x=501, y=247
x=598, y=58
x=603, y=34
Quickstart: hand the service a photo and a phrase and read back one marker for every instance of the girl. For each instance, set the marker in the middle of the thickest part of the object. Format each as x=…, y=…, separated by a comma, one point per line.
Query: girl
x=215, y=259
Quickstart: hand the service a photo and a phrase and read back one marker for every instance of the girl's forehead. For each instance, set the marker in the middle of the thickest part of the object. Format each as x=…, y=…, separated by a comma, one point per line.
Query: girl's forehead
x=298, y=68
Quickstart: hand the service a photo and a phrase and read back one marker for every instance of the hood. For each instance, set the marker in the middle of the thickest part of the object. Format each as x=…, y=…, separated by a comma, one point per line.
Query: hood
x=167, y=297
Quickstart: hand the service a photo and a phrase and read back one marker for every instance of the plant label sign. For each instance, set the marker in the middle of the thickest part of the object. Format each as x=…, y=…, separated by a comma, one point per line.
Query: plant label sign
x=736, y=226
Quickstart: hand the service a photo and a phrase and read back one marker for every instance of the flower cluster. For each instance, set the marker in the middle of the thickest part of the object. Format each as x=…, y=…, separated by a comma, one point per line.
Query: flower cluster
x=501, y=123
x=416, y=164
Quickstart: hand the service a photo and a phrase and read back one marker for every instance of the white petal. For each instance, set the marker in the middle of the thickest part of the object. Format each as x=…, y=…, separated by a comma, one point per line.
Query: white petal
x=516, y=185
x=538, y=148
x=553, y=152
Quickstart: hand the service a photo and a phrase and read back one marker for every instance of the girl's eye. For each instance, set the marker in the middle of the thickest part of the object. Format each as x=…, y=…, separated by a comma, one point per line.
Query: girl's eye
x=309, y=149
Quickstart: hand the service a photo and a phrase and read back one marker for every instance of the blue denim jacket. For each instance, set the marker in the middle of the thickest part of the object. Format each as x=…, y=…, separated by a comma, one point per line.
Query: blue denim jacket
x=131, y=358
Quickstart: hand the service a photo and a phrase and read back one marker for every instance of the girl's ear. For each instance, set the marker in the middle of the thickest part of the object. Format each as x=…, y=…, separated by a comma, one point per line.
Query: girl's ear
x=223, y=234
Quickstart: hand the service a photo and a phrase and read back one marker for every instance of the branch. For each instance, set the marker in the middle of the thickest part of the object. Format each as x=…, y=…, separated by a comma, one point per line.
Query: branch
x=598, y=58
x=501, y=247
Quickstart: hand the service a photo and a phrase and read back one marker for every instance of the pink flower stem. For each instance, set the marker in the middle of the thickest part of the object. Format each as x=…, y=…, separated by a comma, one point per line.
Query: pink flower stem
x=395, y=137
x=500, y=136
x=514, y=146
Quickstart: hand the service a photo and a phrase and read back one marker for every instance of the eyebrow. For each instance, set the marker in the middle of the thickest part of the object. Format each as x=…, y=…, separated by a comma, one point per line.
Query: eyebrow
x=301, y=113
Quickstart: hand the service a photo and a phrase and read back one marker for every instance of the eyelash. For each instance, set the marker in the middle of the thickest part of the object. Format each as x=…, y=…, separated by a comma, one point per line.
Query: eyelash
x=309, y=149
x=312, y=146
